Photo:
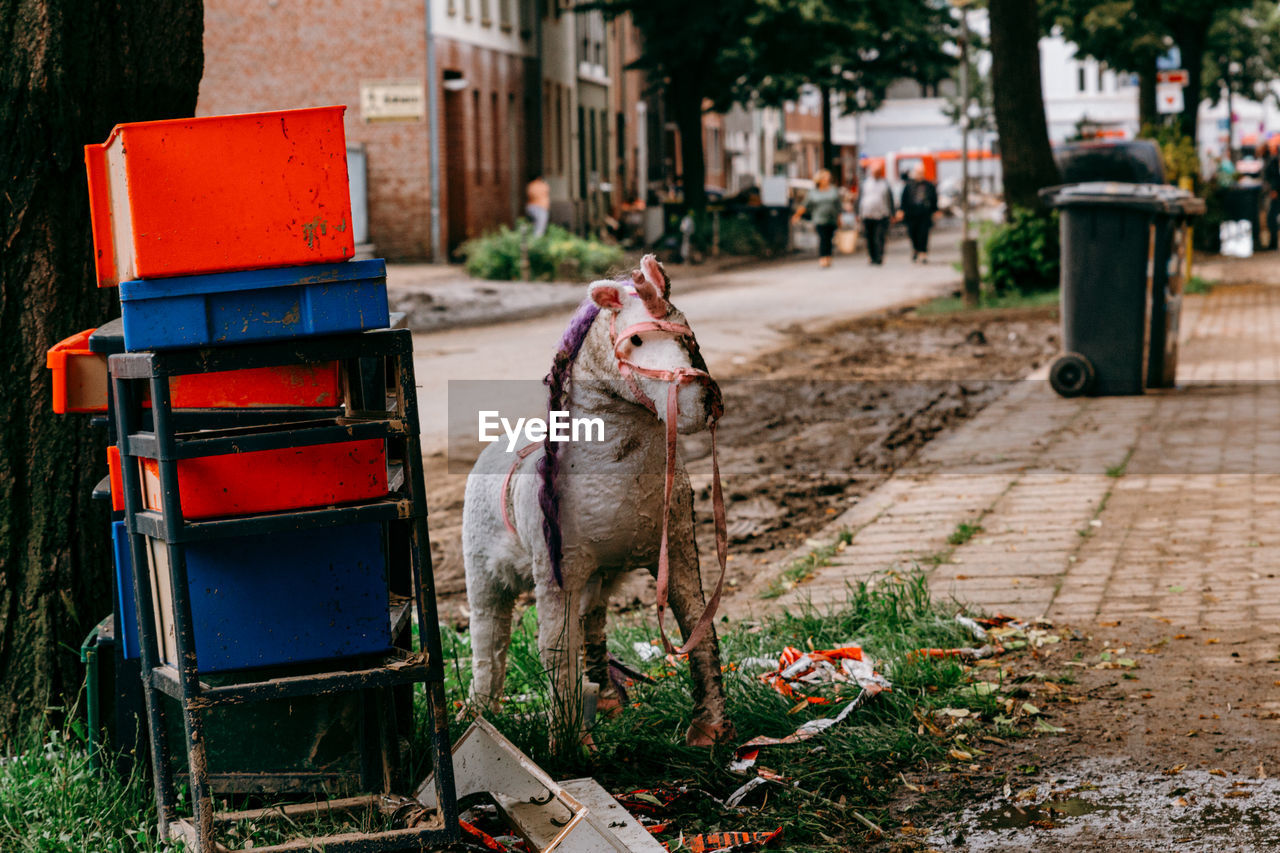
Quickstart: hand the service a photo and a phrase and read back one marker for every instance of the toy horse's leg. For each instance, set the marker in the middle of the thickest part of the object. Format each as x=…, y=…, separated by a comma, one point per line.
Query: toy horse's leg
x=560, y=646
x=596, y=602
x=710, y=723
x=491, y=610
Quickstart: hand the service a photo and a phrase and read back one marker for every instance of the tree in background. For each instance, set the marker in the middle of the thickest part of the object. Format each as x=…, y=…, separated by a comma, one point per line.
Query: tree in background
x=71, y=69
x=1128, y=35
x=851, y=50
x=1027, y=159
x=1243, y=53
x=694, y=51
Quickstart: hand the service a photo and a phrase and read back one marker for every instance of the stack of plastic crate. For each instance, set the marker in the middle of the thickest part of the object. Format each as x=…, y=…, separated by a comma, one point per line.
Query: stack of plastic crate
x=257, y=478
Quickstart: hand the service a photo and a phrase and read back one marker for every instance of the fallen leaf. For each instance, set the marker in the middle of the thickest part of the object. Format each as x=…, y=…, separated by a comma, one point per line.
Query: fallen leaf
x=1043, y=725
x=1181, y=801
x=960, y=755
x=1029, y=709
x=1238, y=794
x=1211, y=641
x=1181, y=637
x=1027, y=794
x=1217, y=772
x=1129, y=662
x=1175, y=770
x=1177, y=587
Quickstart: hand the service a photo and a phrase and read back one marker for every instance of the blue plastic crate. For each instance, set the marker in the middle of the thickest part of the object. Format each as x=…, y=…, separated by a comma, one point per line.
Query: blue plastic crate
x=281, y=598
x=126, y=610
x=256, y=305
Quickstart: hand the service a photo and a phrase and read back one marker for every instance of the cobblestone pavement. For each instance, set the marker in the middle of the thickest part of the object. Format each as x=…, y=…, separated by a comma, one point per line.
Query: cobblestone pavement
x=1165, y=505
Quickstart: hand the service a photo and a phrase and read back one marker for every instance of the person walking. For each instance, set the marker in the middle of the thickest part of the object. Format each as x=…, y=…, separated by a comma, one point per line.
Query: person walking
x=875, y=210
x=823, y=206
x=1271, y=175
x=538, y=208
x=919, y=205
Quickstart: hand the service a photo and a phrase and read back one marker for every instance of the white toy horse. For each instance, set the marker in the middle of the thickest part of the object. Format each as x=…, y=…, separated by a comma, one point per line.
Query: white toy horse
x=568, y=520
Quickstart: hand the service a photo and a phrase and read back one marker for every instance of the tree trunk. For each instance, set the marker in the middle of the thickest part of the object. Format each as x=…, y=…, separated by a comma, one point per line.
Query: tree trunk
x=1027, y=160
x=828, y=146
x=686, y=108
x=1190, y=36
x=1148, y=113
x=71, y=69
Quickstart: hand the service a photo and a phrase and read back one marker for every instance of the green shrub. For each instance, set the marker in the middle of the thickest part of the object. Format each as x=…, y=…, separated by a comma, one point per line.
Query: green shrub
x=1176, y=150
x=1023, y=253
x=557, y=255
x=740, y=236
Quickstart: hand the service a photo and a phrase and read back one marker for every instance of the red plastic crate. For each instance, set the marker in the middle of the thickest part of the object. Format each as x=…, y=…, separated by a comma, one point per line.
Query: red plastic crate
x=79, y=376
x=117, y=479
x=274, y=480
x=309, y=385
x=220, y=194
x=80, y=383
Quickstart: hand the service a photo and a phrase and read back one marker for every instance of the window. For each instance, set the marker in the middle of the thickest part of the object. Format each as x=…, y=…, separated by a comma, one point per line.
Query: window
x=1101, y=68
x=486, y=19
x=495, y=128
x=478, y=152
x=452, y=8
x=466, y=10
x=559, y=130
x=1080, y=79
x=504, y=14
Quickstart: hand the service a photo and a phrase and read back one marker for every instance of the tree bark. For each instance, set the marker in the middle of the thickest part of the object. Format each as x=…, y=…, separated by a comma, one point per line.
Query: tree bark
x=70, y=70
x=1027, y=159
x=828, y=145
x=686, y=108
x=1148, y=112
x=1191, y=36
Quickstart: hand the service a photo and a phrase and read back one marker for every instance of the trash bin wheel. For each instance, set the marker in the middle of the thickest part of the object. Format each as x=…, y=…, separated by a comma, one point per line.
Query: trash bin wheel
x=1072, y=375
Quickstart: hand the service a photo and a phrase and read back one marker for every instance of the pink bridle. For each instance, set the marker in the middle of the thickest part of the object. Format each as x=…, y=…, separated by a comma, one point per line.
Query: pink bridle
x=677, y=378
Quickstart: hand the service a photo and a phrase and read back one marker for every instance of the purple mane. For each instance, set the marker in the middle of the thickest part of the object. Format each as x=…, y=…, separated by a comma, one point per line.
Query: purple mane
x=548, y=465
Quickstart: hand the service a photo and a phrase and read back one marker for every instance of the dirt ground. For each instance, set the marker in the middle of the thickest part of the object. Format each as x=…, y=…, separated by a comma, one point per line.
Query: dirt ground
x=808, y=429
x=1169, y=743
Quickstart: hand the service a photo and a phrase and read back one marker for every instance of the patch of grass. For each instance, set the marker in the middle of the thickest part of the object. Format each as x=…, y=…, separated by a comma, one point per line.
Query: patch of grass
x=850, y=771
x=801, y=569
x=1196, y=284
x=51, y=800
x=835, y=786
x=963, y=533
x=988, y=301
x=1117, y=471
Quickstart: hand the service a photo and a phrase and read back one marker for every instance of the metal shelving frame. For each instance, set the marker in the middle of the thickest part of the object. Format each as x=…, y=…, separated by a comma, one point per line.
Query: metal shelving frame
x=393, y=417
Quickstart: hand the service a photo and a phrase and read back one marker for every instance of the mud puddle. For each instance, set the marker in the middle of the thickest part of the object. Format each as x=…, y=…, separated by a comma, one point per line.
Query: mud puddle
x=1100, y=805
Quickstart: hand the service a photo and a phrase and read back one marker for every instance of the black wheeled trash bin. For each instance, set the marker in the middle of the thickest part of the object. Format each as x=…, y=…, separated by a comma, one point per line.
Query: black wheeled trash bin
x=1121, y=279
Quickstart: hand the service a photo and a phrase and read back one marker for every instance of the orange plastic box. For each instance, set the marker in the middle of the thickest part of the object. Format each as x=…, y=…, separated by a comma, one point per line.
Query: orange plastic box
x=220, y=194
x=80, y=383
x=274, y=480
x=79, y=376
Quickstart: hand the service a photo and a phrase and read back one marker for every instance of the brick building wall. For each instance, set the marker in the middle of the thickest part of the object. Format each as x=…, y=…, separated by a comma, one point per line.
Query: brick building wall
x=285, y=54
x=483, y=168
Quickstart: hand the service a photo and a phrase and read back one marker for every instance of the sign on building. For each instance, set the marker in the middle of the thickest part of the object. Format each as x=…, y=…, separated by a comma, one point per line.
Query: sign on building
x=392, y=100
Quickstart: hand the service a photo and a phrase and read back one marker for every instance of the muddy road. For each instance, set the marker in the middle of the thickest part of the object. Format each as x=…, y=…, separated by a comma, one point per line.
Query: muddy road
x=1148, y=736
x=808, y=429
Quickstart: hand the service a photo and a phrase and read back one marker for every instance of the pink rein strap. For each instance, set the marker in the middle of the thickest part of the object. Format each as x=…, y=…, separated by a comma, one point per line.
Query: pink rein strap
x=678, y=378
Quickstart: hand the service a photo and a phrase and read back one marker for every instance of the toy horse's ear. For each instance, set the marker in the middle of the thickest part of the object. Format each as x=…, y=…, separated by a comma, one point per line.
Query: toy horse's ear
x=607, y=294
x=656, y=275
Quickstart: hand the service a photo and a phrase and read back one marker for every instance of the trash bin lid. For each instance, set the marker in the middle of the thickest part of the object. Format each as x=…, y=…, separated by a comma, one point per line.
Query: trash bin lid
x=1152, y=198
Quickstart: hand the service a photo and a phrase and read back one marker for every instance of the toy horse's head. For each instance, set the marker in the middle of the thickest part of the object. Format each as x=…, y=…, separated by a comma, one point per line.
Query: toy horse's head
x=653, y=349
